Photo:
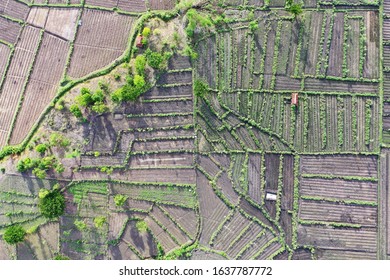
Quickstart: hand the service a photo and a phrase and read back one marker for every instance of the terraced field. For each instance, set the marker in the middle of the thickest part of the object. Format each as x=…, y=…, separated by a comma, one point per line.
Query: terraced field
x=257, y=133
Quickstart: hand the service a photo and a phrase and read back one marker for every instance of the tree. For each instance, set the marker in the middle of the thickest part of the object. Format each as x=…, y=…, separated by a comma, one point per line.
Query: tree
x=97, y=96
x=52, y=203
x=99, y=221
x=146, y=32
x=140, y=64
x=26, y=164
x=57, y=139
x=75, y=110
x=139, y=82
x=154, y=59
x=85, y=98
x=41, y=148
x=14, y=234
x=39, y=173
x=99, y=108
x=295, y=9
x=200, y=88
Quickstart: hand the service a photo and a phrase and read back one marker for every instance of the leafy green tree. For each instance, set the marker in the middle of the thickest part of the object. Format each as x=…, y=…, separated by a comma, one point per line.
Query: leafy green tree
x=97, y=96
x=140, y=64
x=47, y=162
x=41, y=148
x=14, y=234
x=154, y=59
x=293, y=8
x=75, y=110
x=296, y=9
x=26, y=164
x=139, y=82
x=85, y=98
x=39, y=173
x=99, y=108
x=146, y=32
x=59, y=168
x=52, y=204
x=99, y=221
x=57, y=139
x=200, y=88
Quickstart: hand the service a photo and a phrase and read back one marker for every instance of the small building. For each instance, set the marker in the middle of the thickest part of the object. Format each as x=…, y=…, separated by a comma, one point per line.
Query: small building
x=270, y=196
x=118, y=116
x=138, y=42
x=294, y=99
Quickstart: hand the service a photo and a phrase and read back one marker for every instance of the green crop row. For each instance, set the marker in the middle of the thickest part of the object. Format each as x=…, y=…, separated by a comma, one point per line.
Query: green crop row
x=367, y=124
x=295, y=203
x=330, y=224
x=346, y=178
x=342, y=201
x=280, y=190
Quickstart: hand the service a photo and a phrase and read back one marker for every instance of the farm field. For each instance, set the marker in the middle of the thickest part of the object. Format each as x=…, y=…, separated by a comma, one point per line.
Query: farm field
x=173, y=129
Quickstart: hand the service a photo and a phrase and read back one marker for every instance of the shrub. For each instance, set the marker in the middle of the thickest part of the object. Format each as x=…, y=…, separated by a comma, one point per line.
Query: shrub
x=120, y=199
x=52, y=204
x=139, y=81
x=200, y=88
x=117, y=76
x=41, y=148
x=99, y=221
x=295, y=9
x=60, y=257
x=154, y=59
x=25, y=164
x=80, y=225
x=188, y=51
x=195, y=19
x=14, y=234
x=59, y=168
x=141, y=226
x=39, y=173
x=75, y=110
x=104, y=86
x=146, y=32
x=99, y=108
x=140, y=64
x=57, y=139
x=85, y=98
x=59, y=105
x=97, y=96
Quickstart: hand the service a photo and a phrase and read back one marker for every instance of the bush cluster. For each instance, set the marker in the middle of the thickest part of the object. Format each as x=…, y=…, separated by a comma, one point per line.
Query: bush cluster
x=51, y=203
x=40, y=166
x=14, y=234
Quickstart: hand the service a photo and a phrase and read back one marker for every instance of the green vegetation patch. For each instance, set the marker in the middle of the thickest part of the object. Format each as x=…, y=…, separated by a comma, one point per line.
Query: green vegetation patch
x=14, y=234
x=51, y=203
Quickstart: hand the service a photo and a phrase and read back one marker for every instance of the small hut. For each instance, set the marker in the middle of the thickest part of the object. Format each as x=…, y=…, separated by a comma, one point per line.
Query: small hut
x=294, y=99
x=271, y=196
x=139, y=42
